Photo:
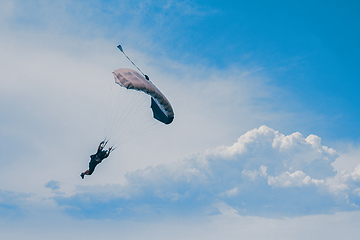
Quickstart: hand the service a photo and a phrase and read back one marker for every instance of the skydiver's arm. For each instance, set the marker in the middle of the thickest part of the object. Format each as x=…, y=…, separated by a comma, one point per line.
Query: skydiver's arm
x=108, y=152
x=100, y=146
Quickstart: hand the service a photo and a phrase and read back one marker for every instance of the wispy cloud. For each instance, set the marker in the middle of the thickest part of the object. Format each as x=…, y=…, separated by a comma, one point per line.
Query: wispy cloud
x=53, y=185
x=57, y=58
x=12, y=204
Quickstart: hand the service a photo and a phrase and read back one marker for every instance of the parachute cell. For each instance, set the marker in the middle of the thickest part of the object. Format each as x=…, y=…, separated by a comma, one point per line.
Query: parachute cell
x=131, y=79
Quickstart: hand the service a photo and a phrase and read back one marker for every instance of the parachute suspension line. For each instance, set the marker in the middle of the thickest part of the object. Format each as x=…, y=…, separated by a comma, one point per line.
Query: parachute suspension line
x=128, y=115
x=136, y=120
x=109, y=114
x=111, y=111
x=113, y=108
x=121, y=49
x=119, y=100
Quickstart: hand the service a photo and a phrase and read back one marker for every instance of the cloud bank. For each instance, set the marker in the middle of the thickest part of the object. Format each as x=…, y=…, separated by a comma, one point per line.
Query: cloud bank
x=264, y=173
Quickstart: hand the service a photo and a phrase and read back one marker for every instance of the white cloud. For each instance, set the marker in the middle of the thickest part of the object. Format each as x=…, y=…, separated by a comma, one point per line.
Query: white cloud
x=344, y=181
x=254, y=176
x=235, y=174
x=53, y=185
x=50, y=84
x=281, y=153
x=295, y=179
x=230, y=192
x=355, y=175
x=55, y=82
x=227, y=225
x=348, y=159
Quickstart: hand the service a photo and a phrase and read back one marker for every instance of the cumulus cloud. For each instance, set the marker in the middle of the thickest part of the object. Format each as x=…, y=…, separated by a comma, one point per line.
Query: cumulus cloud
x=263, y=173
x=298, y=178
x=254, y=175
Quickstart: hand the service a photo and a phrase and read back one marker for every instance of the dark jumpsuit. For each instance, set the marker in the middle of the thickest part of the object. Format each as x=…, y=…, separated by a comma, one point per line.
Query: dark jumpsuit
x=96, y=159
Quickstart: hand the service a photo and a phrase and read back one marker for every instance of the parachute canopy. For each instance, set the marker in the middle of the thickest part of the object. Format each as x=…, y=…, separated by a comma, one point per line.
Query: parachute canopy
x=160, y=106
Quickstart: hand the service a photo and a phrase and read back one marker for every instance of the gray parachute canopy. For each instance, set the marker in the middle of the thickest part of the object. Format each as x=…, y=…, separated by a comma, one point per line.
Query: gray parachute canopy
x=160, y=106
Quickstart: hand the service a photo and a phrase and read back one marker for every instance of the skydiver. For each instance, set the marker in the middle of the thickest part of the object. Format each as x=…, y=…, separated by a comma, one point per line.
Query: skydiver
x=96, y=159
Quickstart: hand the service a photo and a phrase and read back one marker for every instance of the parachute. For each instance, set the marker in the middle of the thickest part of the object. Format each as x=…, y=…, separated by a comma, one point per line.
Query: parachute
x=131, y=79
x=129, y=103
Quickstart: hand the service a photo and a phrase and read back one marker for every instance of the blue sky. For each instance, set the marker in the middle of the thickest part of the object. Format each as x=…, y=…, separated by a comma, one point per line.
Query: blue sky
x=307, y=48
x=265, y=141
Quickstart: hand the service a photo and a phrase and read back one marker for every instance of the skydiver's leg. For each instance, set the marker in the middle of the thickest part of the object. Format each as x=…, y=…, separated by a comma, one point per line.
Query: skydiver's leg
x=92, y=166
x=89, y=171
x=84, y=173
